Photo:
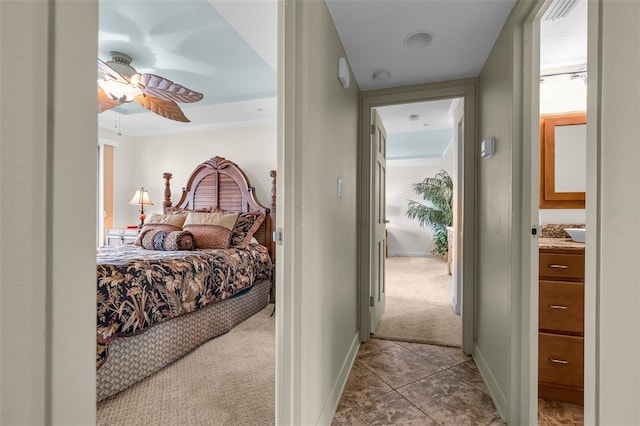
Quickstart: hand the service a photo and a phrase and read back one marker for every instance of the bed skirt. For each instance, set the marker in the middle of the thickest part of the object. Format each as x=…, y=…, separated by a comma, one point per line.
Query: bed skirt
x=134, y=358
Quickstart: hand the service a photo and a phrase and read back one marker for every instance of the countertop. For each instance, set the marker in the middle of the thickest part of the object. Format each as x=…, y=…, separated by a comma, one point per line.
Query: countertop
x=559, y=244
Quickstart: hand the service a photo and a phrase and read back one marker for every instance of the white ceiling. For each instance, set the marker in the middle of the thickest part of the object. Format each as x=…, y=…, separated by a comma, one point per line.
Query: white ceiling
x=427, y=137
x=435, y=114
x=372, y=32
x=463, y=34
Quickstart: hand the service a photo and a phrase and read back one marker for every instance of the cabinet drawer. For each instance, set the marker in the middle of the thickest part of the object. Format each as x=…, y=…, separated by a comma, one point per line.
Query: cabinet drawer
x=561, y=359
x=561, y=306
x=561, y=266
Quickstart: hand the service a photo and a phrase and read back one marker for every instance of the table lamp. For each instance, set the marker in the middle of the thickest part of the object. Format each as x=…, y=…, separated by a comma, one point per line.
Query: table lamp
x=141, y=197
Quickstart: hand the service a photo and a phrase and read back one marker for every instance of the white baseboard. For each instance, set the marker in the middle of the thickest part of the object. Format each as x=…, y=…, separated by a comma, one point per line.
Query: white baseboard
x=495, y=391
x=331, y=405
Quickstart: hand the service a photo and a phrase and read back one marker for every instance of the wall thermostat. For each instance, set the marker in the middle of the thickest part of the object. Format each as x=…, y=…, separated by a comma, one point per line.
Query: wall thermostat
x=488, y=147
x=343, y=73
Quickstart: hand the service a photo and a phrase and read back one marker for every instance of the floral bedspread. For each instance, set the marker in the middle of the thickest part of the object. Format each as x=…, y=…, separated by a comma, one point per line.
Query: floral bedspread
x=138, y=288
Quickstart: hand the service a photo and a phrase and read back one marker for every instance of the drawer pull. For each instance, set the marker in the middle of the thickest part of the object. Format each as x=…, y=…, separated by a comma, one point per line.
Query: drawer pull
x=558, y=306
x=559, y=361
x=554, y=266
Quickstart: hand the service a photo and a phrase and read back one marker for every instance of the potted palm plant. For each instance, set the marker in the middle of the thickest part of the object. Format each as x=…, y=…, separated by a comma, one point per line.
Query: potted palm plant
x=437, y=212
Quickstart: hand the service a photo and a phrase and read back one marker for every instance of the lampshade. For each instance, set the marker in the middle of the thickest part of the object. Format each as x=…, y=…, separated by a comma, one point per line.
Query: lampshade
x=141, y=197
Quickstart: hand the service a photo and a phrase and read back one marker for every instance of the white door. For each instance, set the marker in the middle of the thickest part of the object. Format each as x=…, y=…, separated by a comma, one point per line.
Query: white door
x=379, y=166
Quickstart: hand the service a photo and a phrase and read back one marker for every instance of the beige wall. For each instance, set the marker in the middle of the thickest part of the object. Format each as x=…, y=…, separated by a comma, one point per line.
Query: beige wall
x=405, y=236
x=618, y=211
x=495, y=208
x=141, y=161
x=503, y=286
x=47, y=216
x=23, y=145
x=325, y=271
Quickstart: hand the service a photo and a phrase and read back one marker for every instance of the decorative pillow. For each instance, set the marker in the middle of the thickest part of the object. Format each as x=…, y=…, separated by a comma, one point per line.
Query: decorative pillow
x=165, y=222
x=244, y=228
x=160, y=239
x=175, y=219
x=211, y=230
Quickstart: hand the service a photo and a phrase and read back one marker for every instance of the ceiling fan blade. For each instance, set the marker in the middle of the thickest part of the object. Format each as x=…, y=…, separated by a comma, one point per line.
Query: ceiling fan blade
x=107, y=70
x=104, y=101
x=164, y=108
x=165, y=89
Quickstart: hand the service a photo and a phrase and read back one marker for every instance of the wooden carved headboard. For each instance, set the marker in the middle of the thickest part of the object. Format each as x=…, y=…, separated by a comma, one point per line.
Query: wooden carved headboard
x=220, y=183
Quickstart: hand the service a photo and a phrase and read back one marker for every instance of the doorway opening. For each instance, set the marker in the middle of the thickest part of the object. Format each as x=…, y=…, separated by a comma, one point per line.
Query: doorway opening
x=422, y=296
x=563, y=181
x=373, y=174
x=153, y=149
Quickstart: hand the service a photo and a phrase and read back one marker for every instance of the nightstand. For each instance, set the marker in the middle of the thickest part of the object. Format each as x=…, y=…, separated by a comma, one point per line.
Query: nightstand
x=117, y=236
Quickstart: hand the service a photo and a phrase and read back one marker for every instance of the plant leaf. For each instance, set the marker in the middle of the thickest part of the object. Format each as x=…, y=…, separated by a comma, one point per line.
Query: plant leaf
x=437, y=214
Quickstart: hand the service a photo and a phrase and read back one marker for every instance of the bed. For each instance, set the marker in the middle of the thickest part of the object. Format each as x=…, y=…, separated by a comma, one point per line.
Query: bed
x=156, y=306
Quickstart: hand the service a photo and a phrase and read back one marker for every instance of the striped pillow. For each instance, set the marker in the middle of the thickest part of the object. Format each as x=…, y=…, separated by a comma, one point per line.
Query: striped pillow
x=161, y=239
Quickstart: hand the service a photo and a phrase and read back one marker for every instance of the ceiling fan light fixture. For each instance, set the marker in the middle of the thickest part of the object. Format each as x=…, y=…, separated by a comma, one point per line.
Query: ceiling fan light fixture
x=121, y=83
x=121, y=62
x=119, y=91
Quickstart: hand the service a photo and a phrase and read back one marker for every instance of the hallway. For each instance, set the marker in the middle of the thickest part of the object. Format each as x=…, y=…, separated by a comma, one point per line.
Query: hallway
x=411, y=383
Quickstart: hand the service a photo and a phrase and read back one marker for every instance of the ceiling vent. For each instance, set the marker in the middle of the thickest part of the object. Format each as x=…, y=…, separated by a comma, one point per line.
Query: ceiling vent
x=560, y=9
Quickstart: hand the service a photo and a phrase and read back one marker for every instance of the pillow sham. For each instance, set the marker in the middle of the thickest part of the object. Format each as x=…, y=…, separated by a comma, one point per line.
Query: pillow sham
x=175, y=219
x=161, y=239
x=211, y=230
x=244, y=228
x=165, y=222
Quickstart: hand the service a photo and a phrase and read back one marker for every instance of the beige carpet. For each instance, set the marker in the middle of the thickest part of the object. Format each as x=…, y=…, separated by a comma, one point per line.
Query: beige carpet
x=417, y=304
x=229, y=380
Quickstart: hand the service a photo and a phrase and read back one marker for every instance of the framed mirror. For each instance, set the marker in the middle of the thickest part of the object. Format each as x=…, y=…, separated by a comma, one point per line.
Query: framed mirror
x=563, y=160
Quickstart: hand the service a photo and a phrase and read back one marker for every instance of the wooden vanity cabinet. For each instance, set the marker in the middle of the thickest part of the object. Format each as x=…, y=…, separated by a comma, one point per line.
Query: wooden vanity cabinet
x=561, y=326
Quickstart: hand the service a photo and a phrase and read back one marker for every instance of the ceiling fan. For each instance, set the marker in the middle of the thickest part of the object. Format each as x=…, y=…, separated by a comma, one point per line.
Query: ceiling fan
x=121, y=83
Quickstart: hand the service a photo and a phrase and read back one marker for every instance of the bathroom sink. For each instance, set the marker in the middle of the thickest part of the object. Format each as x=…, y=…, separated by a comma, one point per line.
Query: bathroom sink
x=577, y=234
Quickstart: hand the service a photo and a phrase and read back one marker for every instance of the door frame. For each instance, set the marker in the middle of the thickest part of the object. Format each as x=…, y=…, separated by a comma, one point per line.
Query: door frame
x=466, y=89
x=530, y=199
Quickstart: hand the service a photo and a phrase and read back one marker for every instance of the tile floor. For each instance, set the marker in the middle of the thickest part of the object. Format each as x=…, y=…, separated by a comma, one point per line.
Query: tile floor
x=416, y=384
